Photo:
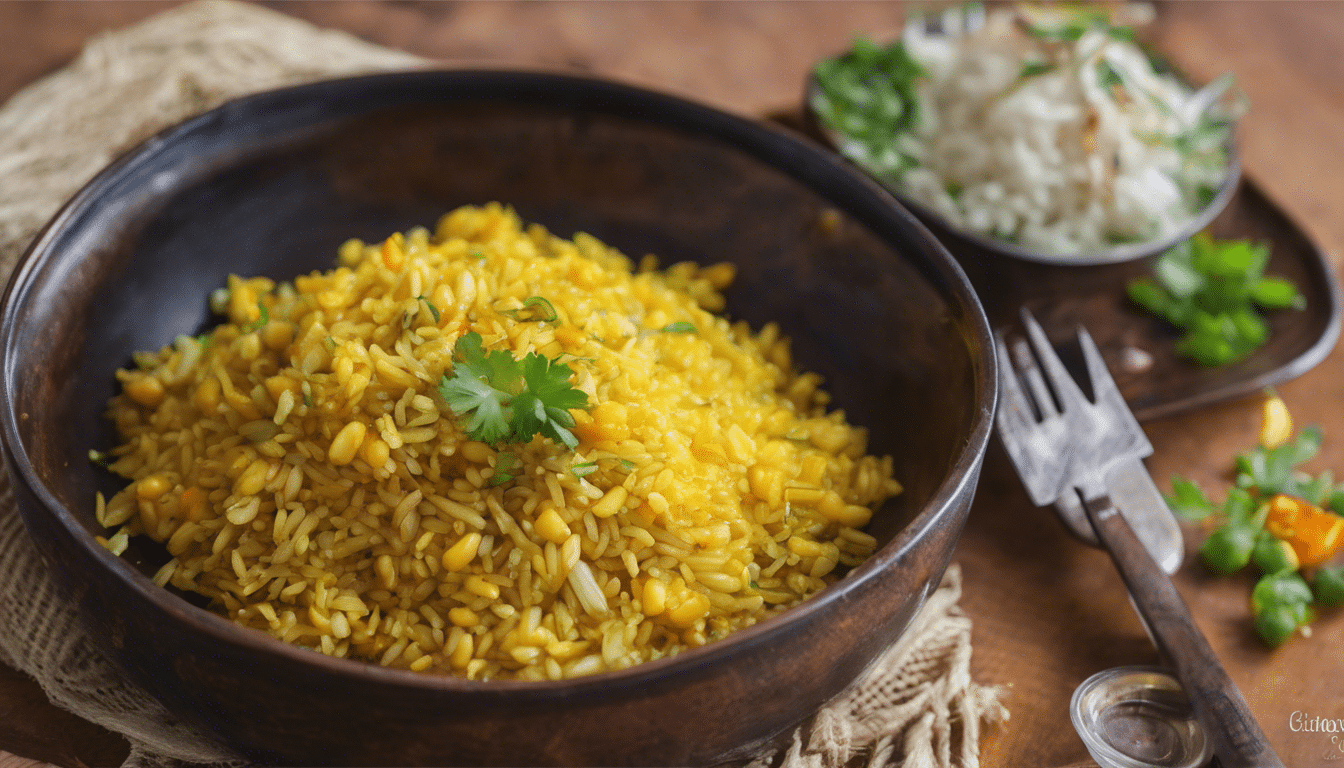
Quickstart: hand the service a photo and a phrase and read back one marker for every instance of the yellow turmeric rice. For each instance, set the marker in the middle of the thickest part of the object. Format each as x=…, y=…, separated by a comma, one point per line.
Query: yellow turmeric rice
x=302, y=468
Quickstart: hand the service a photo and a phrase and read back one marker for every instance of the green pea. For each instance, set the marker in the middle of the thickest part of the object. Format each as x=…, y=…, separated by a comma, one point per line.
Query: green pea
x=1273, y=555
x=1281, y=589
x=1328, y=584
x=1228, y=549
x=1277, y=624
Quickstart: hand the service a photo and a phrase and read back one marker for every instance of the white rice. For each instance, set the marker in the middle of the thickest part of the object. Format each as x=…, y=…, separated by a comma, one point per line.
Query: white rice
x=1057, y=161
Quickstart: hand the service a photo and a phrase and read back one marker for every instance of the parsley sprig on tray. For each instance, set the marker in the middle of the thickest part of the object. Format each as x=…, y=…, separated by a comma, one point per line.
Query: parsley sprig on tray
x=505, y=400
x=1215, y=290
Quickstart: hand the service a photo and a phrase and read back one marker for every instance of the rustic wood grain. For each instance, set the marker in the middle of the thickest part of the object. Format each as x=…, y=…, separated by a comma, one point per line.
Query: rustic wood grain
x=1048, y=611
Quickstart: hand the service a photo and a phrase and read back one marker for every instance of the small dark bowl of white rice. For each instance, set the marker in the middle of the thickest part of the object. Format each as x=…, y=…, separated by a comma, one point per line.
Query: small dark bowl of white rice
x=1043, y=134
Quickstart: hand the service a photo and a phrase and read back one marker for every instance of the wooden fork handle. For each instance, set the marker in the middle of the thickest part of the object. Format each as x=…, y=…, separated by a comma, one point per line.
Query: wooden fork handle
x=1236, y=737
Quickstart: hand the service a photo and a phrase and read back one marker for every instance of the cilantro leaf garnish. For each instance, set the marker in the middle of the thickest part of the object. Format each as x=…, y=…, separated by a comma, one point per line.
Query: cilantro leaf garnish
x=483, y=405
x=681, y=326
x=505, y=464
x=1188, y=500
x=504, y=400
x=1272, y=470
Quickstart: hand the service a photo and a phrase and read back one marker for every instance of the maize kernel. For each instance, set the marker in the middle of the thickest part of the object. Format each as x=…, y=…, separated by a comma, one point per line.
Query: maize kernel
x=612, y=502
x=253, y=478
x=462, y=653
x=456, y=557
x=145, y=390
x=375, y=452
x=551, y=527
x=346, y=443
x=152, y=487
x=277, y=335
x=1277, y=424
x=463, y=616
x=692, y=609
x=654, y=597
x=479, y=586
x=206, y=396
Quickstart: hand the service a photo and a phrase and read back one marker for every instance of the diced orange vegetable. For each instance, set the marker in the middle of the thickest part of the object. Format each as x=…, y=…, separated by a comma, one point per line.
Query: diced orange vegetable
x=1313, y=533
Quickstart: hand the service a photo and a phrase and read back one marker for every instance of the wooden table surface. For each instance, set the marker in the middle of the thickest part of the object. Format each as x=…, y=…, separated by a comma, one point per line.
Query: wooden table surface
x=1048, y=611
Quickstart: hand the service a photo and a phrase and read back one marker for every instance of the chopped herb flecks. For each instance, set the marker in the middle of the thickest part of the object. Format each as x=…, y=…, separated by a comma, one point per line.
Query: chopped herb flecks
x=583, y=469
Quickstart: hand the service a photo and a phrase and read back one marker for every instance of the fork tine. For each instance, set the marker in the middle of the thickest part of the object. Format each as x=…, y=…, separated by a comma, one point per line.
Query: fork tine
x=1108, y=397
x=1070, y=397
x=1014, y=406
x=1024, y=362
x=1022, y=434
x=1103, y=384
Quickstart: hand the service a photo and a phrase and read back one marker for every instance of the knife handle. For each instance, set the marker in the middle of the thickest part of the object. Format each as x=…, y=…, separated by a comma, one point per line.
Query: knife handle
x=1238, y=741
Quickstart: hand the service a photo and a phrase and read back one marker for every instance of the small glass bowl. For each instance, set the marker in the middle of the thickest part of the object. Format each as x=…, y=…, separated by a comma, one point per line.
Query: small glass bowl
x=1138, y=717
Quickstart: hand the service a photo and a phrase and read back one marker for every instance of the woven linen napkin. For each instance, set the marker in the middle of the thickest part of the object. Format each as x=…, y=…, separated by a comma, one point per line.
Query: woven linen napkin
x=916, y=707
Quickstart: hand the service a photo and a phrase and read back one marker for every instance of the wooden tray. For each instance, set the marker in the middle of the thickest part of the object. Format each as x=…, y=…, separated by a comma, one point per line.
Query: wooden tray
x=1063, y=298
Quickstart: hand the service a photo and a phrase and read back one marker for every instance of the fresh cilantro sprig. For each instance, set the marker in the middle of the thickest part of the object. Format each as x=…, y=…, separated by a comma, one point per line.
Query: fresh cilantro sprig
x=1215, y=291
x=505, y=466
x=1268, y=471
x=1261, y=473
x=504, y=400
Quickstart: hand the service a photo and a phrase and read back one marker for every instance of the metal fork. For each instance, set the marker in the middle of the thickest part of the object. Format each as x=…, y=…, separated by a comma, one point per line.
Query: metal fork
x=1061, y=443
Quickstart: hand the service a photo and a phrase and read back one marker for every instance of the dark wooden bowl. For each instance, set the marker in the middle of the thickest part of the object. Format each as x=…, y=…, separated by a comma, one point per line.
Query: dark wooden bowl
x=271, y=184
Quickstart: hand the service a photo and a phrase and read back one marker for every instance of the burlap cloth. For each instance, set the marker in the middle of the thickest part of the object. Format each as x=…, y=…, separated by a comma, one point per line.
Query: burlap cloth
x=918, y=705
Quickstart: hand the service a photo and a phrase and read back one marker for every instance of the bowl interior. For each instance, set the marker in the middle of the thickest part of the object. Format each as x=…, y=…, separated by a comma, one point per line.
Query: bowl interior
x=872, y=315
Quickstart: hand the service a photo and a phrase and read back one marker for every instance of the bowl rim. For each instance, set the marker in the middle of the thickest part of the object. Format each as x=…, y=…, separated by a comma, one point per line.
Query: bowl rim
x=786, y=151
x=1114, y=255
